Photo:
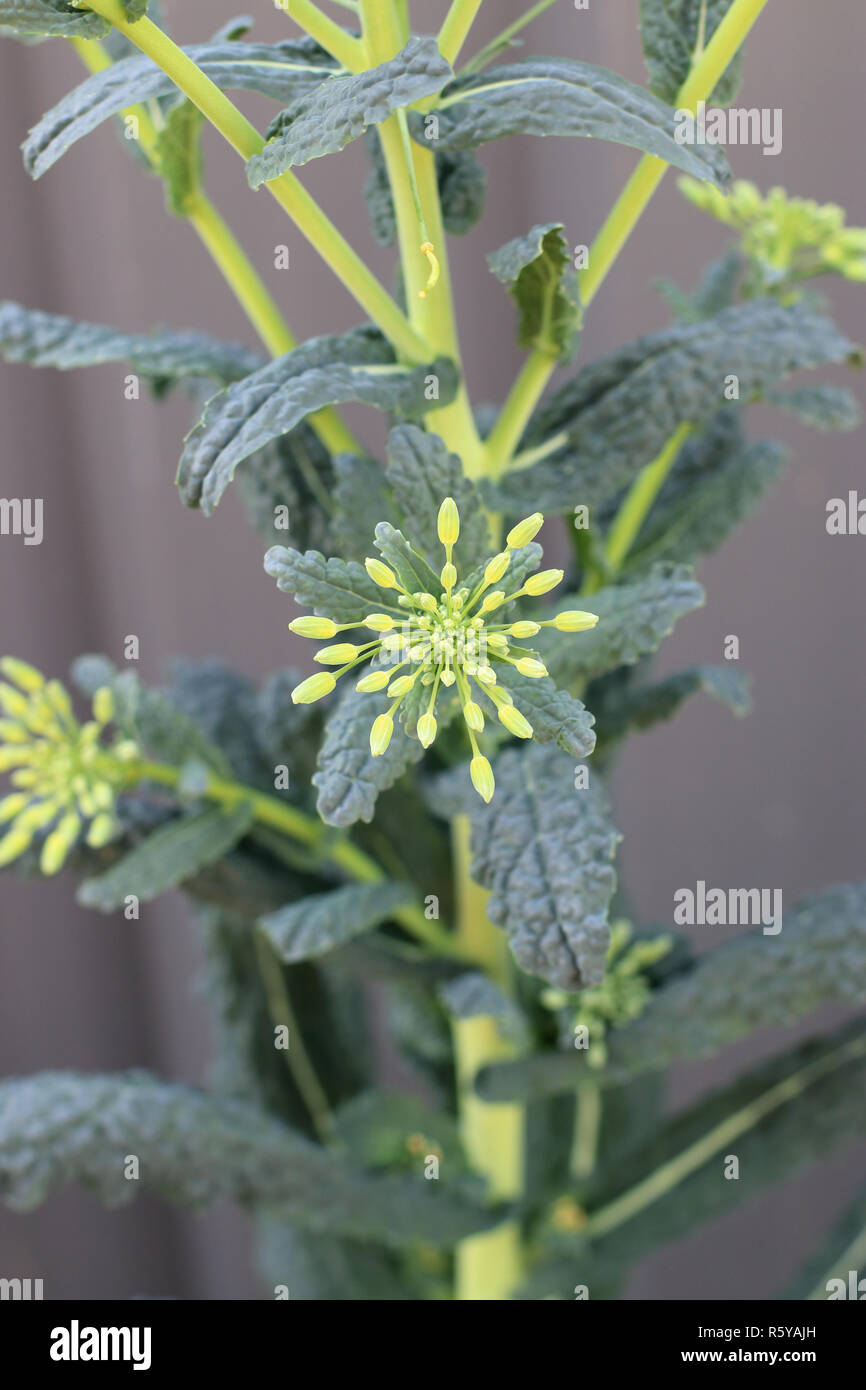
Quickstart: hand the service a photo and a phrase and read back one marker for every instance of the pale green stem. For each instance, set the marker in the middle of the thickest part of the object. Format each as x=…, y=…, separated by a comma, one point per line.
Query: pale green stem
x=298, y=1060
x=487, y=1267
x=514, y=416
x=316, y=836
x=587, y=1130
x=640, y=498
x=230, y=258
x=677, y=1169
x=705, y=73
x=334, y=39
x=431, y=314
x=706, y=70
x=455, y=29
x=286, y=189
x=491, y=49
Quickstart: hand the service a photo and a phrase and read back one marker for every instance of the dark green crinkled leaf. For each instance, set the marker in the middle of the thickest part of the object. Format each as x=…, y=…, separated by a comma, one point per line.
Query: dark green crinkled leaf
x=822, y=1112
x=317, y=1269
x=327, y=119
x=294, y=472
x=422, y=473
x=756, y=981
x=349, y=778
x=716, y=291
x=318, y=924
x=362, y=499
x=147, y=716
x=60, y=1127
x=270, y=402
x=822, y=407
x=716, y=482
x=52, y=340
x=675, y=377
x=626, y=709
x=333, y=588
x=462, y=182
x=28, y=18
x=283, y=71
x=545, y=851
x=167, y=857
x=633, y=620
x=753, y=982
x=672, y=31
x=555, y=716
x=537, y=271
x=178, y=154
x=560, y=96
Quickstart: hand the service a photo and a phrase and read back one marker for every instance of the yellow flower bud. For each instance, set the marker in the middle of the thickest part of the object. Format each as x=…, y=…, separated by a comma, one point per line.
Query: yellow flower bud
x=10, y=732
x=500, y=696
x=499, y=643
x=14, y=703
x=427, y=602
x=338, y=655
x=449, y=522
x=400, y=687
x=528, y=666
x=380, y=734
x=543, y=582
x=515, y=722
x=497, y=567
x=448, y=677
x=313, y=688
x=525, y=628
x=494, y=600
x=24, y=675
x=380, y=574
x=473, y=715
x=575, y=621
x=378, y=622
x=54, y=853
x=524, y=531
x=448, y=577
x=126, y=751
x=486, y=675
x=101, y=830
x=374, y=680
x=427, y=729
x=103, y=705
x=10, y=806
x=323, y=628
x=482, y=777
x=14, y=844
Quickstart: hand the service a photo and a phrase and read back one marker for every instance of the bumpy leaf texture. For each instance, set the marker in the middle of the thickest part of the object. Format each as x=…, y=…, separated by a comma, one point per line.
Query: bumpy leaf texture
x=545, y=851
x=421, y=472
x=195, y=1148
x=672, y=31
x=349, y=778
x=606, y=425
x=52, y=340
x=320, y=923
x=340, y=110
x=35, y=18
x=560, y=96
x=283, y=71
x=270, y=402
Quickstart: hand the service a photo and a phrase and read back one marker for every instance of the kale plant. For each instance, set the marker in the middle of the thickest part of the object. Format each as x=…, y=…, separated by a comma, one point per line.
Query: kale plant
x=423, y=820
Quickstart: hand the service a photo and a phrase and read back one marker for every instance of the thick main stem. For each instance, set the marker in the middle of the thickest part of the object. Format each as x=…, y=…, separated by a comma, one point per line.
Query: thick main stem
x=288, y=191
x=487, y=1267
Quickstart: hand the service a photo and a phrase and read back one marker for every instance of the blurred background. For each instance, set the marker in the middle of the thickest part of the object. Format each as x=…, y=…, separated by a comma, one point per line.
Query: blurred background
x=773, y=800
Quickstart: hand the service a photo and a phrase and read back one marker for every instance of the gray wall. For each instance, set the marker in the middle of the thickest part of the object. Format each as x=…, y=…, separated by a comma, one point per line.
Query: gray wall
x=774, y=800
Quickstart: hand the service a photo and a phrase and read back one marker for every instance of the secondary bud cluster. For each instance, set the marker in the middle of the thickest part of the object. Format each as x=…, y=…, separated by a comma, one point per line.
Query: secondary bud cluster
x=62, y=774
x=444, y=639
